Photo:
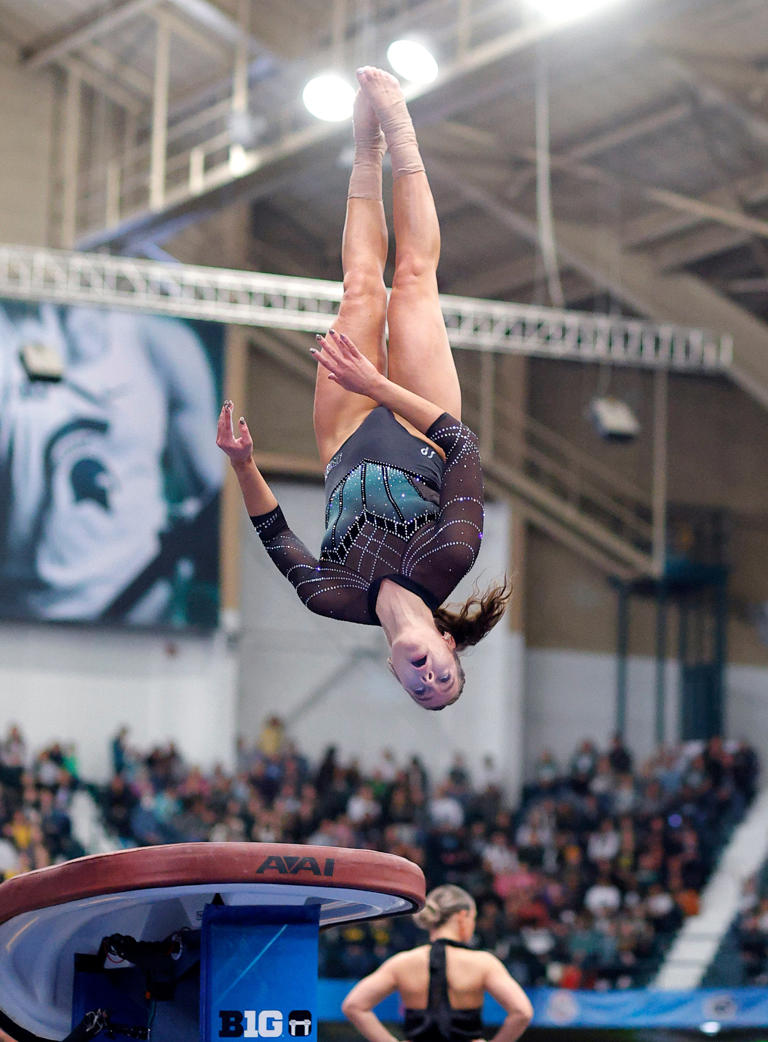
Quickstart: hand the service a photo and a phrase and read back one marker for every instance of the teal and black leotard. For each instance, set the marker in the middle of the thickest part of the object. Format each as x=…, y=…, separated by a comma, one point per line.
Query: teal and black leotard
x=439, y=1022
x=394, y=510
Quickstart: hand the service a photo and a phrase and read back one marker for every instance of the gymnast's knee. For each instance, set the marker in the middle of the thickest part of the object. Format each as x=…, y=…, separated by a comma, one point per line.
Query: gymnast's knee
x=364, y=285
x=414, y=269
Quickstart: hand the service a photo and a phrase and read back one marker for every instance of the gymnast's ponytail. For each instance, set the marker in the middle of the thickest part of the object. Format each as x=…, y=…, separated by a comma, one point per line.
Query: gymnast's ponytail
x=443, y=902
x=471, y=621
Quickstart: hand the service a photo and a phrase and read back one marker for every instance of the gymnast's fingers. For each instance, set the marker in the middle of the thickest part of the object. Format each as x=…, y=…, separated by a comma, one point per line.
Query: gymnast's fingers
x=245, y=434
x=224, y=431
x=328, y=345
x=345, y=345
x=322, y=359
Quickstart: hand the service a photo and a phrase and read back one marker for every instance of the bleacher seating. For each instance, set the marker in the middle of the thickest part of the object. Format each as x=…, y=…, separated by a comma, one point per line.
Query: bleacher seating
x=584, y=884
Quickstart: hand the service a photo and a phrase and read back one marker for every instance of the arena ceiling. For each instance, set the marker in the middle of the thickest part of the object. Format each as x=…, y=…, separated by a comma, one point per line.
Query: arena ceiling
x=646, y=190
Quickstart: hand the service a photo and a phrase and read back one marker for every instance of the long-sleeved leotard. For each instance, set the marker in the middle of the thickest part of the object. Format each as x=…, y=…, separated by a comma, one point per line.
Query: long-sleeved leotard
x=383, y=521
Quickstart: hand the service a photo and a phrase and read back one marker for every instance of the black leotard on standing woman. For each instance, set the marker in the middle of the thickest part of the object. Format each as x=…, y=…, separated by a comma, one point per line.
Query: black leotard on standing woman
x=439, y=1022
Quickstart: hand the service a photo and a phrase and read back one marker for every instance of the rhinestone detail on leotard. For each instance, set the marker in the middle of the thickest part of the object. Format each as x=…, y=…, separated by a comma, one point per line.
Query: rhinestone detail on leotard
x=395, y=530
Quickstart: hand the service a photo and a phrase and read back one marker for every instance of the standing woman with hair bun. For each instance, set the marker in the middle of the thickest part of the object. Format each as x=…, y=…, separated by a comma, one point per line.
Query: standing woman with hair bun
x=441, y=984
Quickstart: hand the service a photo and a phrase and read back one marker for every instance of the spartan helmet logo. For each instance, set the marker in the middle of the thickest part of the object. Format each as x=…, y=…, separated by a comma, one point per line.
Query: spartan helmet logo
x=90, y=480
x=76, y=453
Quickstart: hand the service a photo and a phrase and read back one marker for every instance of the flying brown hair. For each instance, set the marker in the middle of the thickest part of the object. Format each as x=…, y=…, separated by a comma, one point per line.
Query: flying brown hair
x=469, y=622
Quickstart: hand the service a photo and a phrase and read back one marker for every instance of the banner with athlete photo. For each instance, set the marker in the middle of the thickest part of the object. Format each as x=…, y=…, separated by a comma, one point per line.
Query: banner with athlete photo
x=109, y=472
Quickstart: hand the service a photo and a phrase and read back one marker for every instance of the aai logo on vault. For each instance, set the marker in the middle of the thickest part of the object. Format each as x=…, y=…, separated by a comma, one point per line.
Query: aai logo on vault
x=265, y=1023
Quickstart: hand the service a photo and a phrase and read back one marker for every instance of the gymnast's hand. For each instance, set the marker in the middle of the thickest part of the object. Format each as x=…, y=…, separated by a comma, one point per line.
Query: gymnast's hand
x=240, y=448
x=346, y=364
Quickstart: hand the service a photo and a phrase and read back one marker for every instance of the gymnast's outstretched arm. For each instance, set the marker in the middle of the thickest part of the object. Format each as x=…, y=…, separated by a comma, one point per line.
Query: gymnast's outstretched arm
x=324, y=587
x=257, y=495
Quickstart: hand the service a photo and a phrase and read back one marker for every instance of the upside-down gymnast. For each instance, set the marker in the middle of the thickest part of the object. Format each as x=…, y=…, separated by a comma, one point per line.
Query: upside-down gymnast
x=403, y=484
x=442, y=984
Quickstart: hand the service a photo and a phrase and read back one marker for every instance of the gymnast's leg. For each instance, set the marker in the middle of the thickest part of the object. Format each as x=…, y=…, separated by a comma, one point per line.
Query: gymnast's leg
x=362, y=313
x=420, y=357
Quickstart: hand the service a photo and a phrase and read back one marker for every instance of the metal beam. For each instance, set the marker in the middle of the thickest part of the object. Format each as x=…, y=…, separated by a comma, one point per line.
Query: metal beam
x=709, y=135
x=279, y=163
x=705, y=209
x=211, y=18
x=676, y=297
x=560, y=531
x=645, y=230
x=71, y=158
x=497, y=278
x=198, y=37
x=83, y=30
x=540, y=503
x=507, y=217
x=105, y=85
x=285, y=302
x=159, y=116
x=747, y=286
x=607, y=140
x=114, y=68
x=728, y=88
x=699, y=208
x=697, y=244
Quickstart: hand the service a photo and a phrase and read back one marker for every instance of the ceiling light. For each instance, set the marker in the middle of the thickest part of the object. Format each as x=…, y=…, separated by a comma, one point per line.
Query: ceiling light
x=614, y=419
x=569, y=10
x=329, y=97
x=412, y=60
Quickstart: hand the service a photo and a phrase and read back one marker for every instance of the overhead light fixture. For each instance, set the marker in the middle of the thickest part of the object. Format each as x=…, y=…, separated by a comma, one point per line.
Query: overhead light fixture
x=614, y=419
x=412, y=61
x=329, y=97
x=569, y=10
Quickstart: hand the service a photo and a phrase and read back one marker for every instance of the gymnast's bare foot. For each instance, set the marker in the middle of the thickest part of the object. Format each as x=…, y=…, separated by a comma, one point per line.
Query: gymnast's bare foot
x=387, y=99
x=382, y=89
x=365, y=124
x=365, y=179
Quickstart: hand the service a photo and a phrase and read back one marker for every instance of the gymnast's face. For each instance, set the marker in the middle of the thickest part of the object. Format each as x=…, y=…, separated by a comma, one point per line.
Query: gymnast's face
x=424, y=662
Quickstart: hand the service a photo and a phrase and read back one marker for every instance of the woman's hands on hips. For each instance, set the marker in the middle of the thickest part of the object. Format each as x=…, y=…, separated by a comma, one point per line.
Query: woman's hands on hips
x=239, y=448
x=346, y=364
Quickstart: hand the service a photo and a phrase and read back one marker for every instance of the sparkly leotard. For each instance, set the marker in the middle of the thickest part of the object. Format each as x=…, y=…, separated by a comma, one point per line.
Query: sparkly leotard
x=439, y=1022
x=393, y=511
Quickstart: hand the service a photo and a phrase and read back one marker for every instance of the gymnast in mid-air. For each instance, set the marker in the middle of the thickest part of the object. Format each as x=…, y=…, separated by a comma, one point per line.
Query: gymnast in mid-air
x=403, y=482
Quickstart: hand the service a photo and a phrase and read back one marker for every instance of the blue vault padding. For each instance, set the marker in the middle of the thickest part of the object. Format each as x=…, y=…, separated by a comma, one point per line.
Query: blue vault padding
x=258, y=976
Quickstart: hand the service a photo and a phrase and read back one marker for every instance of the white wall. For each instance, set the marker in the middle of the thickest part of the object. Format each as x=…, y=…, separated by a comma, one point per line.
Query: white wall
x=572, y=695
x=289, y=654
x=25, y=147
x=79, y=685
x=746, y=706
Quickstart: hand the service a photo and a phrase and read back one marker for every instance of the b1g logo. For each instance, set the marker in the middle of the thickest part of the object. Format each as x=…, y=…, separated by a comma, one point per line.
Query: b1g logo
x=300, y=1023
x=265, y=1023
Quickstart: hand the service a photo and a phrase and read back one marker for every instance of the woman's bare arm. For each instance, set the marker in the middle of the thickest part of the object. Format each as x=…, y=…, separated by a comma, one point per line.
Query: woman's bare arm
x=512, y=999
x=358, y=1006
x=349, y=368
x=257, y=495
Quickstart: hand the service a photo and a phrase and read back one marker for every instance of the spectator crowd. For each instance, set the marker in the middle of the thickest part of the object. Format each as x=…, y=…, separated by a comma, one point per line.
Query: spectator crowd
x=751, y=931
x=583, y=884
